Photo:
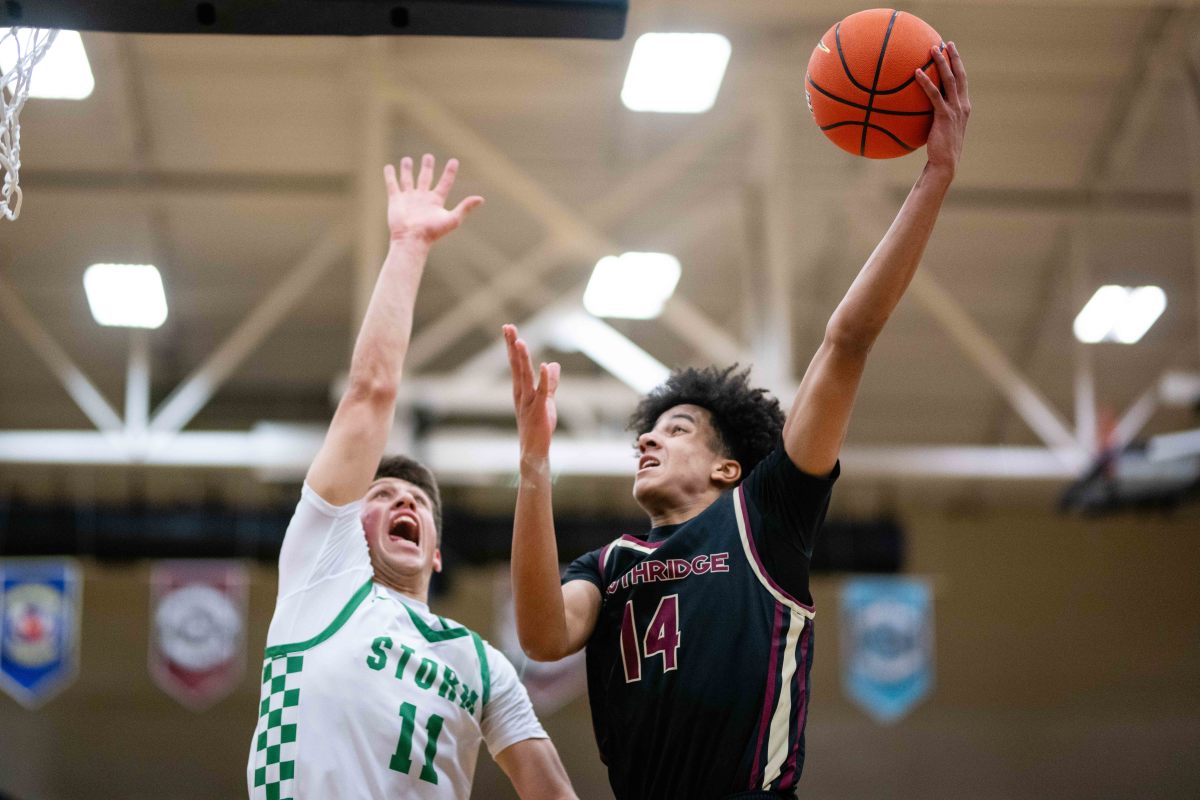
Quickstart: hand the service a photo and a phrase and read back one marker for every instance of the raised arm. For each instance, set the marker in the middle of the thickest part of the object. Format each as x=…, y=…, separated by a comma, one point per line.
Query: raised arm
x=553, y=621
x=820, y=413
x=417, y=217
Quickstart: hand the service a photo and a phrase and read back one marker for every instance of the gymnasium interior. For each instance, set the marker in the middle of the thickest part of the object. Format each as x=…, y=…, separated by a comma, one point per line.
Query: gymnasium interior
x=1043, y=491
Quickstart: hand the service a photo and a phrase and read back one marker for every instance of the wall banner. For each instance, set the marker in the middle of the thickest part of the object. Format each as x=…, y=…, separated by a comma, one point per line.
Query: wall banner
x=197, y=629
x=39, y=627
x=887, y=644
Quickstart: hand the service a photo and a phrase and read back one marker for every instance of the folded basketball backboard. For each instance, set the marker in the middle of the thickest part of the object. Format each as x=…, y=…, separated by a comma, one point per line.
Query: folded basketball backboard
x=578, y=19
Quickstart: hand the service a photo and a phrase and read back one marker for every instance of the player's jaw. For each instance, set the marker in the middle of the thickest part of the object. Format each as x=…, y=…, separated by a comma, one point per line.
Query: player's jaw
x=401, y=534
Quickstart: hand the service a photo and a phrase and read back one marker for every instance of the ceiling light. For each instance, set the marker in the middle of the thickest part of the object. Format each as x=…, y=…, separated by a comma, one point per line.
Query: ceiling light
x=63, y=72
x=675, y=72
x=1119, y=314
x=604, y=345
x=631, y=286
x=126, y=295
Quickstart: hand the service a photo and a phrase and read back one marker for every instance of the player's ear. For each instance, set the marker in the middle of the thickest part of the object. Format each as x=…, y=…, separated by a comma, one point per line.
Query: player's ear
x=437, y=559
x=726, y=473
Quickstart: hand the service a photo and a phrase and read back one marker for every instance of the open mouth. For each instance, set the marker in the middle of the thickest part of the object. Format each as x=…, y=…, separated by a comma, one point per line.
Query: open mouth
x=646, y=462
x=405, y=528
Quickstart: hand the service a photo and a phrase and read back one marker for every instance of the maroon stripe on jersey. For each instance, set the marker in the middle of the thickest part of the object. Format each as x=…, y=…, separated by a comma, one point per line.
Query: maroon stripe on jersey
x=643, y=542
x=604, y=558
x=787, y=778
x=741, y=498
x=769, y=700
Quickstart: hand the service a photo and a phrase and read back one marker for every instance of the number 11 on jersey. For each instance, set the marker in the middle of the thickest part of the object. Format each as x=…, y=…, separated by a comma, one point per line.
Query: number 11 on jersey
x=661, y=638
x=402, y=758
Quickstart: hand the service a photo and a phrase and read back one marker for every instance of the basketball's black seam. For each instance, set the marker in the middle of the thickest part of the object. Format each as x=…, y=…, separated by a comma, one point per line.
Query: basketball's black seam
x=837, y=37
x=887, y=35
x=904, y=85
x=852, y=104
x=879, y=128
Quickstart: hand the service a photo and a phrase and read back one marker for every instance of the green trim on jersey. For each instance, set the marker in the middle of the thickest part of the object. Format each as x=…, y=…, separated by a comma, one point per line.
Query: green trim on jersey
x=485, y=673
x=338, y=622
x=429, y=633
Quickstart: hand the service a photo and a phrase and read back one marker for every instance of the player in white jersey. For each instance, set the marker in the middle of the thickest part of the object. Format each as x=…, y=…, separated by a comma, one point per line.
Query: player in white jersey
x=365, y=692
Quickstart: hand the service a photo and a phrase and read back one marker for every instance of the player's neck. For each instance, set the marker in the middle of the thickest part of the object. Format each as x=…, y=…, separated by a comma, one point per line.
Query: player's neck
x=417, y=588
x=680, y=510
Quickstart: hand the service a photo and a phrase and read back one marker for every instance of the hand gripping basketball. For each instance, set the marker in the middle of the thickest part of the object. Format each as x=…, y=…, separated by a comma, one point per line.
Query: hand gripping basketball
x=951, y=112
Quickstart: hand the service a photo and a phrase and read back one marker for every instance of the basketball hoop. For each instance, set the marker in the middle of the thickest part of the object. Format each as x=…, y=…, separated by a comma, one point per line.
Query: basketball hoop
x=28, y=45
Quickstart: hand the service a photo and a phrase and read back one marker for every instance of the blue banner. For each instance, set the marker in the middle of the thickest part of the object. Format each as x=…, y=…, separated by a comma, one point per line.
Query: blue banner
x=887, y=644
x=39, y=628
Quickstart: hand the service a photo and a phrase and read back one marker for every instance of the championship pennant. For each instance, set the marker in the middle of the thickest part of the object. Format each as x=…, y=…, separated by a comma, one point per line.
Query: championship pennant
x=197, y=629
x=887, y=644
x=39, y=628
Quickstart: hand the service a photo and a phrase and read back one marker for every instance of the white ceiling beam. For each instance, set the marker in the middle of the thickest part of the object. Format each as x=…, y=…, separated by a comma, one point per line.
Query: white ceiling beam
x=85, y=394
x=137, y=383
x=1025, y=399
x=198, y=388
x=1165, y=60
x=283, y=452
x=1079, y=266
x=564, y=226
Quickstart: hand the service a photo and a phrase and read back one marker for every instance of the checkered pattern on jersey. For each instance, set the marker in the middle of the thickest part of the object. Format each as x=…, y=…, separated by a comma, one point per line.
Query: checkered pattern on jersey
x=275, y=735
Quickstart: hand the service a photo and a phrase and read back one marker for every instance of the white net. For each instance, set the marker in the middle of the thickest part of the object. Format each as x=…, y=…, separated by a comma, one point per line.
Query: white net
x=20, y=50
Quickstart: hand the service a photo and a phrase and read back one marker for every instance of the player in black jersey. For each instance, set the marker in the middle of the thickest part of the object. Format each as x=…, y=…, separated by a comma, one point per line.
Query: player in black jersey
x=699, y=633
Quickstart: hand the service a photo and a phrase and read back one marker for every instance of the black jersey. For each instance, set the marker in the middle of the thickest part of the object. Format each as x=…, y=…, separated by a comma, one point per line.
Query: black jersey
x=698, y=668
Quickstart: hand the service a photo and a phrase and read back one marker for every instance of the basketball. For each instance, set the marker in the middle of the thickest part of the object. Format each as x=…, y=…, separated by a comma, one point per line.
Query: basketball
x=860, y=85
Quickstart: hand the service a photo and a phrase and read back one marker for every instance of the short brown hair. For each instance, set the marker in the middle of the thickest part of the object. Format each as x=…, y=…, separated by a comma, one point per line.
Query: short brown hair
x=419, y=475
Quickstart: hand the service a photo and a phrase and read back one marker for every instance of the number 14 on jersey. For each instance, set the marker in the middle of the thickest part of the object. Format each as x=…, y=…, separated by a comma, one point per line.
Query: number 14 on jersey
x=661, y=638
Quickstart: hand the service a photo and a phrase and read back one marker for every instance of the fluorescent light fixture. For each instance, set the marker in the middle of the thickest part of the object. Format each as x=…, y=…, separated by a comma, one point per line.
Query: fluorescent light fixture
x=63, y=73
x=605, y=345
x=675, y=72
x=1119, y=314
x=126, y=295
x=631, y=286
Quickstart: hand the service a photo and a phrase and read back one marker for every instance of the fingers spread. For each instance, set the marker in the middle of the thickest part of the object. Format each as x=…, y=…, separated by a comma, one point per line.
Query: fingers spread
x=406, y=178
x=389, y=179
x=467, y=206
x=425, y=179
x=447, y=180
x=553, y=371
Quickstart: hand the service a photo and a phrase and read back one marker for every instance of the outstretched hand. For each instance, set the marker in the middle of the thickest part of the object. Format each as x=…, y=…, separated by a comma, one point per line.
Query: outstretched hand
x=951, y=112
x=419, y=210
x=537, y=415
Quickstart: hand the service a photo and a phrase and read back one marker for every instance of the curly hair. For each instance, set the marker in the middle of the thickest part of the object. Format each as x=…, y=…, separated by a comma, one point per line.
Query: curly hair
x=419, y=475
x=748, y=421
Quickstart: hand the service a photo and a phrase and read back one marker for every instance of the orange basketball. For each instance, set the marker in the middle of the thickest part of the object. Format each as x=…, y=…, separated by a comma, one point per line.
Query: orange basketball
x=860, y=84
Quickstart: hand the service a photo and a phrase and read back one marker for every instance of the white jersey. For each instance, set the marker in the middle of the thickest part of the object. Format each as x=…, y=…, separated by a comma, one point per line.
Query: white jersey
x=365, y=692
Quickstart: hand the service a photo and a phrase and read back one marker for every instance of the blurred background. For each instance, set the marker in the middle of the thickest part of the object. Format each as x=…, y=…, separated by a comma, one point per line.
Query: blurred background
x=1041, y=489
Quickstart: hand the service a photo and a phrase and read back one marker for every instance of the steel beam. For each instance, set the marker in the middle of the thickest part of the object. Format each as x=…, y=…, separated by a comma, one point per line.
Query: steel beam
x=567, y=229
x=1025, y=399
x=194, y=392
x=46, y=347
x=283, y=452
x=137, y=384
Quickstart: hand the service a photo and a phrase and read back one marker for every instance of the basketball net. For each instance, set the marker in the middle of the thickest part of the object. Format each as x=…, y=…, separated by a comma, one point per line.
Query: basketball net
x=28, y=45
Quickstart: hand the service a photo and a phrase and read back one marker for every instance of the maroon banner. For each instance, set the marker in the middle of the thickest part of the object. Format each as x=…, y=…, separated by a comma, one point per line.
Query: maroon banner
x=197, y=629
